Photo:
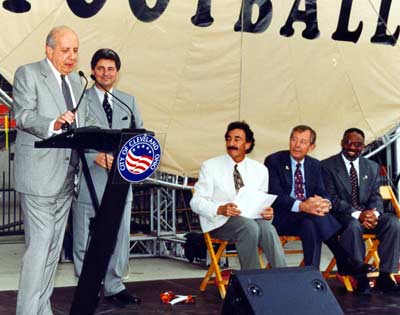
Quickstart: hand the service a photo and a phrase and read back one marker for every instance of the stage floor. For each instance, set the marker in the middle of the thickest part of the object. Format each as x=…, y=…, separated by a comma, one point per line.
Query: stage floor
x=207, y=303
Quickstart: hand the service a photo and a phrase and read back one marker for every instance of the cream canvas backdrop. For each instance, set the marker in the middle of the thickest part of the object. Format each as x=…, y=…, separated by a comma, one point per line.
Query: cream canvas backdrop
x=191, y=81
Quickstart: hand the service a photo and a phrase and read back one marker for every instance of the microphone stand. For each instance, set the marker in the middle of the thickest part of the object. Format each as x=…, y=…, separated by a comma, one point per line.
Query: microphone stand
x=132, y=124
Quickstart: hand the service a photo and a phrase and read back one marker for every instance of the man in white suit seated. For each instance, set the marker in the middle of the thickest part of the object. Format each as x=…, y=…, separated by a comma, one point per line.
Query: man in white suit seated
x=108, y=105
x=219, y=181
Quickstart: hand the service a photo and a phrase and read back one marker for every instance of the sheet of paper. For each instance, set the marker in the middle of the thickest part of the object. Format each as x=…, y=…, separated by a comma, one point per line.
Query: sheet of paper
x=251, y=202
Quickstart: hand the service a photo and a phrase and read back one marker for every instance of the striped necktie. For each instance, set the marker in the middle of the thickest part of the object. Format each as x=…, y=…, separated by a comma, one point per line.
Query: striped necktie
x=355, y=200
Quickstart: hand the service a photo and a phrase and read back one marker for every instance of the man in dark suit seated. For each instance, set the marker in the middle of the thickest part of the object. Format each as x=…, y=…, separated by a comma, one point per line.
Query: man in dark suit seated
x=302, y=206
x=353, y=183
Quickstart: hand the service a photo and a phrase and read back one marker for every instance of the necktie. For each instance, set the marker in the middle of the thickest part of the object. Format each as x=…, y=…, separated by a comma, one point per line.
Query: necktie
x=237, y=178
x=298, y=184
x=107, y=109
x=67, y=96
x=354, y=187
x=74, y=160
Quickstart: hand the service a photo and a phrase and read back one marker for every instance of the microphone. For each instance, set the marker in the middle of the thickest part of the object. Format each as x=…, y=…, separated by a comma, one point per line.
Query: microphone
x=81, y=74
x=66, y=125
x=133, y=123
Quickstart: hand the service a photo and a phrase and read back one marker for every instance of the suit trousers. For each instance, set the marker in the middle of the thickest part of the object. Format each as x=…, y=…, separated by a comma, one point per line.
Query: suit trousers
x=249, y=234
x=118, y=265
x=313, y=230
x=387, y=232
x=45, y=219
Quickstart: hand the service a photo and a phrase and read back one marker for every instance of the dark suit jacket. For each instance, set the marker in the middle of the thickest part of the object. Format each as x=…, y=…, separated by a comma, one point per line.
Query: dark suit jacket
x=337, y=182
x=280, y=183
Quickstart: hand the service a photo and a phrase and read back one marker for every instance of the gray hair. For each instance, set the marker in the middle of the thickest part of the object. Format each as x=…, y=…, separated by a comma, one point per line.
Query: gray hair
x=51, y=37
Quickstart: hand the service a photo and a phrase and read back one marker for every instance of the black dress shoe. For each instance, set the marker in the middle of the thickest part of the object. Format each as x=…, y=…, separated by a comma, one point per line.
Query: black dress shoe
x=363, y=287
x=123, y=298
x=386, y=284
x=354, y=270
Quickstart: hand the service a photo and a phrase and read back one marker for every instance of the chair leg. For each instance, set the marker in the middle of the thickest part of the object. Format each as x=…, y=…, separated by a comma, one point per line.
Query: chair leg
x=214, y=267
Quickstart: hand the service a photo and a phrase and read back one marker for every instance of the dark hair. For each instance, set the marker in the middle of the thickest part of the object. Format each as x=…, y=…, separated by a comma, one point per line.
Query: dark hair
x=246, y=128
x=105, y=53
x=302, y=128
x=356, y=130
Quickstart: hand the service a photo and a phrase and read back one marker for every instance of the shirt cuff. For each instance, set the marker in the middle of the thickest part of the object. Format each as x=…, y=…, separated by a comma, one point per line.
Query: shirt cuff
x=356, y=214
x=295, y=207
x=51, y=130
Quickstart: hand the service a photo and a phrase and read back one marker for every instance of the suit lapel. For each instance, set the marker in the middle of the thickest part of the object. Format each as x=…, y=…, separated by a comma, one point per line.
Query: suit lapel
x=343, y=176
x=96, y=108
x=287, y=169
x=52, y=84
x=363, y=172
x=118, y=112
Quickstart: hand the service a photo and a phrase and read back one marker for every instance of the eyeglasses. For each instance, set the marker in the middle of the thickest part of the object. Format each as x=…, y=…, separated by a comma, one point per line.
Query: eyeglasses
x=356, y=144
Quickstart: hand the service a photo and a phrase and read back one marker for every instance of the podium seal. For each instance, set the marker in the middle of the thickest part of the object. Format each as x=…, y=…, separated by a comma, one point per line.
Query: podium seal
x=139, y=157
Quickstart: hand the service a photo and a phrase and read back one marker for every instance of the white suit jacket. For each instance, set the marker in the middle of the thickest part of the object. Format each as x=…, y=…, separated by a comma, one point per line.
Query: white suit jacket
x=216, y=187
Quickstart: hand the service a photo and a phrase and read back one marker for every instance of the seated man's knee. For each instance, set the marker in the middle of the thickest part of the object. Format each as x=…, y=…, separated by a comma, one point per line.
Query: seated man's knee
x=353, y=226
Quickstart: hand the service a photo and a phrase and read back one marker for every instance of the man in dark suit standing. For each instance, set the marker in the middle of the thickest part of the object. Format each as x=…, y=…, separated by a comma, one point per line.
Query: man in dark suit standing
x=110, y=113
x=45, y=93
x=353, y=183
x=302, y=206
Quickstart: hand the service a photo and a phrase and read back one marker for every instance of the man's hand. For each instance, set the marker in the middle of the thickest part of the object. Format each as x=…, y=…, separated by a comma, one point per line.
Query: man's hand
x=368, y=219
x=267, y=213
x=228, y=210
x=104, y=160
x=67, y=117
x=315, y=205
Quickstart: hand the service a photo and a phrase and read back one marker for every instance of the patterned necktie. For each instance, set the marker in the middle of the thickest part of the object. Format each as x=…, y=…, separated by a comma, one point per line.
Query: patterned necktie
x=67, y=96
x=237, y=178
x=298, y=184
x=107, y=109
x=354, y=188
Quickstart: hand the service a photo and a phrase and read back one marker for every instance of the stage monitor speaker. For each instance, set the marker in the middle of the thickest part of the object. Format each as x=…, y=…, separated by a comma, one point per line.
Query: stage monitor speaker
x=279, y=291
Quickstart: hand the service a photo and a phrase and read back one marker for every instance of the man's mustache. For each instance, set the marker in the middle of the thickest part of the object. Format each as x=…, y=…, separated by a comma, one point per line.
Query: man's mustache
x=232, y=148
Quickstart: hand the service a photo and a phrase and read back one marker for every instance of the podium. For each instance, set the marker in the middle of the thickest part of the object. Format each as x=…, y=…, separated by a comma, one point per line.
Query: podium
x=108, y=214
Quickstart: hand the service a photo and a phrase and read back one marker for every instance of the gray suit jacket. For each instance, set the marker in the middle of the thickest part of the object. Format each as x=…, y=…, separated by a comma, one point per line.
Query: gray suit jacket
x=38, y=100
x=121, y=119
x=337, y=182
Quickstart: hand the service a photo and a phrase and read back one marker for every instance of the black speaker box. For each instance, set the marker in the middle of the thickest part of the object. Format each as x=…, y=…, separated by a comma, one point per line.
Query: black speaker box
x=279, y=291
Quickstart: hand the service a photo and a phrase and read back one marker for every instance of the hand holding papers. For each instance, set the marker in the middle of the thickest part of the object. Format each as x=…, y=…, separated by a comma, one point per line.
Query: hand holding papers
x=251, y=202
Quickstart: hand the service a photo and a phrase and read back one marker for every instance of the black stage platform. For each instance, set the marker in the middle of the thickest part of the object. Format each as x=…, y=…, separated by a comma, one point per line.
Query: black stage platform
x=207, y=303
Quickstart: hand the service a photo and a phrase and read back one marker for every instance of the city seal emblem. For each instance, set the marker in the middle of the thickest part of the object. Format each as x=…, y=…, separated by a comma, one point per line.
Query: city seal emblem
x=139, y=158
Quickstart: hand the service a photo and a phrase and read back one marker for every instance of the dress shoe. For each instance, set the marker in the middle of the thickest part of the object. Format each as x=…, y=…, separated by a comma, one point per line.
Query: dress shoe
x=354, y=270
x=386, y=284
x=123, y=298
x=363, y=287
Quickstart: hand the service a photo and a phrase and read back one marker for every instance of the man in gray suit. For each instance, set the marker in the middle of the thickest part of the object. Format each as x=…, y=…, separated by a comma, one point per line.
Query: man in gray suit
x=44, y=94
x=110, y=113
x=353, y=183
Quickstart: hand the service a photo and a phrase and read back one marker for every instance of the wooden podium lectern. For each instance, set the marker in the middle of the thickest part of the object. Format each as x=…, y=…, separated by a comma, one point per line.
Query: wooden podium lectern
x=108, y=214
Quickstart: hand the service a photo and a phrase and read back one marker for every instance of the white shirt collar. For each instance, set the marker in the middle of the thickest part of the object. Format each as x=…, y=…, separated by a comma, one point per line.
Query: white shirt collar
x=100, y=94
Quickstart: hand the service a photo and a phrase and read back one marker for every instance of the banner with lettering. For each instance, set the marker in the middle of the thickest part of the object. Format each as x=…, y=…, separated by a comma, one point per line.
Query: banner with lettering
x=196, y=65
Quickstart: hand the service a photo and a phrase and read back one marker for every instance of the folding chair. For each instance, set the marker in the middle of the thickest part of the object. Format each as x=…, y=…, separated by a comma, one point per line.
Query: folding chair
x=371, y=241
x=285, y=239
x=214, y=268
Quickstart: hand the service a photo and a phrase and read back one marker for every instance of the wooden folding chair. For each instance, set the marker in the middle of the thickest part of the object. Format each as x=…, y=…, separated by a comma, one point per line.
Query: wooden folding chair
x=285, y=239
x=371, y=241
x=214, y=268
